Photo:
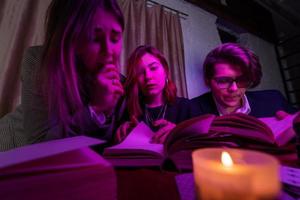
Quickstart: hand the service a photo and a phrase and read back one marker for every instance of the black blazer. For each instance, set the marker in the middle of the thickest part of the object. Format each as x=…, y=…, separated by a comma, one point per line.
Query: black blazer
x=263, y=103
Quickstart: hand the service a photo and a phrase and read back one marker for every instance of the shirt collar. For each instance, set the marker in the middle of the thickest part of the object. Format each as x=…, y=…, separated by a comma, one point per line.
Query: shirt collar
x=245, y=108
x=98, y=118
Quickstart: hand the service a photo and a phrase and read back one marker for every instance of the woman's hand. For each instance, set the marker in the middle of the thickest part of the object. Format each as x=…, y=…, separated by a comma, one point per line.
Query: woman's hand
x=281, y=114
x=106, y=89
x=125, y=129
x=165, y=127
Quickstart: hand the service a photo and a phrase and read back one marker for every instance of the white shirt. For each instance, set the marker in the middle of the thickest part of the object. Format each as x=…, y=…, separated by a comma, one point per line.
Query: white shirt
x=245, y=108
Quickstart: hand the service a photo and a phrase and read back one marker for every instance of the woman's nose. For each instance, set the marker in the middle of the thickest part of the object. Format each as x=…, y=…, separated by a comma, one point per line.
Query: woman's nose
x=107, y=48
x=148, y=74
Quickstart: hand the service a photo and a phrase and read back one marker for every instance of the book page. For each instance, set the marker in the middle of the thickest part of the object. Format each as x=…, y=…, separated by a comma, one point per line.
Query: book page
x=186, y=186
x=290, y=175
x=44, y=149
x=280, y=127
x=136, y=143
x=240, y=125
x=197, y=126
x=70, y=160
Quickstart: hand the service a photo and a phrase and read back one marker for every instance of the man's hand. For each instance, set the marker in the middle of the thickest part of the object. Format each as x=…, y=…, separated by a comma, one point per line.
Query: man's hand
x=281, y=114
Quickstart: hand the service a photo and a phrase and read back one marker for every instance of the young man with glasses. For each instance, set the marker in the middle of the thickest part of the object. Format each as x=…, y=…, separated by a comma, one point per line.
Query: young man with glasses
x=230, y=70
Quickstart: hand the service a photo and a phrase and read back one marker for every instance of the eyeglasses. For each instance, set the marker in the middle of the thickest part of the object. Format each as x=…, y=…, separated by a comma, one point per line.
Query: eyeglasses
x=226, y=82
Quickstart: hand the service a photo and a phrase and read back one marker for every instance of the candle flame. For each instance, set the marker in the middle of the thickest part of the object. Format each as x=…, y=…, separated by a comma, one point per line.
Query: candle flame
x=226, y=159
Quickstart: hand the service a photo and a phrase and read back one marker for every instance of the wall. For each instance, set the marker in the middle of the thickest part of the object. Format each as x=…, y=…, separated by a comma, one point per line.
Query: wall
x=272, y=78
x=200, y=36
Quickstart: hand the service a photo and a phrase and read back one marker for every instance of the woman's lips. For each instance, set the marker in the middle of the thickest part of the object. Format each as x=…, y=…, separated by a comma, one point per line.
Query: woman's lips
x=150, y=86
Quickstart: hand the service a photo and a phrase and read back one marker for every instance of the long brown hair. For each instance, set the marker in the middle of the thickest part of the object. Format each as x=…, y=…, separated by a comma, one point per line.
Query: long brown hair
x=133, y=94
x=67, y=22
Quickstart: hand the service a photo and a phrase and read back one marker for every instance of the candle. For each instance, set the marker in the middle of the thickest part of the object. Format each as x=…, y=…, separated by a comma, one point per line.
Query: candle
x=235, y=174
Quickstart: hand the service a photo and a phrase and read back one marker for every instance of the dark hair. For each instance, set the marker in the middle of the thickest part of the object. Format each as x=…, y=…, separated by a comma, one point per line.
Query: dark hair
x=66, y=15
x=133, y=94
x=236, y=55
x=67, y=22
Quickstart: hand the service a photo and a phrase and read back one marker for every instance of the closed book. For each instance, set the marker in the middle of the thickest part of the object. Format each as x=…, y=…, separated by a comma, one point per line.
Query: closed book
x=58, y=169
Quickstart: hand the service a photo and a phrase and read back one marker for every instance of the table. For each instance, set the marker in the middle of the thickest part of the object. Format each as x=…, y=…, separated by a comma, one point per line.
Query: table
x=152, y=183
x=146, y=184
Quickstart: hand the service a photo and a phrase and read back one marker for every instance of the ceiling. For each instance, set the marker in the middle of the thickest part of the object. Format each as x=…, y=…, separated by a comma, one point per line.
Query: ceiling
x=269, y=19
x=288, y=9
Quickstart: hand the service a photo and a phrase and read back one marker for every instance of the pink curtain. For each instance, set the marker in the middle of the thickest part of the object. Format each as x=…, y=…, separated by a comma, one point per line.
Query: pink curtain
x=158, y=27
x=21, y=26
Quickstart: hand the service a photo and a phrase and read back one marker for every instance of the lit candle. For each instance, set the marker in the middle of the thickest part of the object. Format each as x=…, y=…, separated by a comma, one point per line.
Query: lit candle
x=235, y=174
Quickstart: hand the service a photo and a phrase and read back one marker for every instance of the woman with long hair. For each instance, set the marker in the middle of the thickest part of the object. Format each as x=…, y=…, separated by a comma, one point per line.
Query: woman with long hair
x=151, y=94
x=71, y=84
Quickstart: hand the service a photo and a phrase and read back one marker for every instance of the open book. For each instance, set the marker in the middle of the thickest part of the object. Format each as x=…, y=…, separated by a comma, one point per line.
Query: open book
x=58, y=169
x=235, y=130
x=136, y=149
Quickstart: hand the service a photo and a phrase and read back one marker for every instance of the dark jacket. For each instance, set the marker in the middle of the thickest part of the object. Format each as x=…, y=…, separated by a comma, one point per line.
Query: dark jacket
x=264, y=103
x=175, y=112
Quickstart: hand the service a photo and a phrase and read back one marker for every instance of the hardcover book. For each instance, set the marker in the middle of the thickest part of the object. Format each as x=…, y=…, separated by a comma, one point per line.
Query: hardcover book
x=58, y=169
x=235, y=130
